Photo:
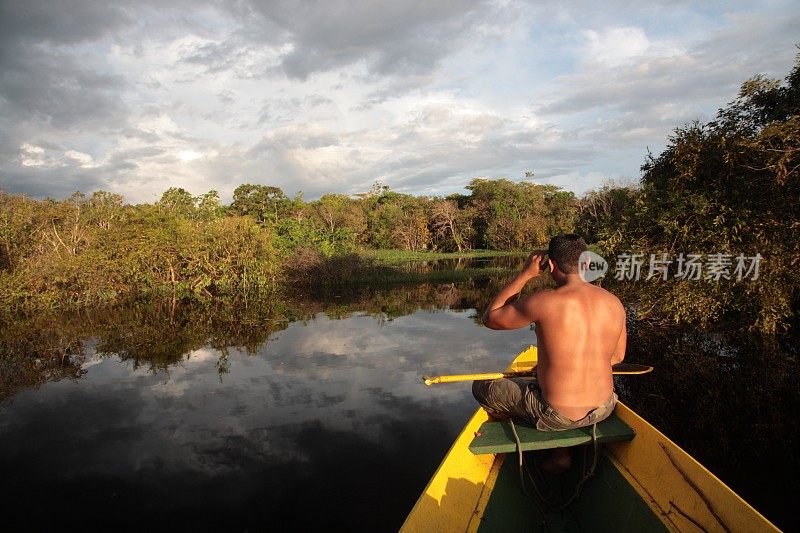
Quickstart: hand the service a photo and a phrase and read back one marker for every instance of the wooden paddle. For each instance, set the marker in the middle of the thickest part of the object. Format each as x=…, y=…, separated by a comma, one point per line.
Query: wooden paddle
x=618, y=369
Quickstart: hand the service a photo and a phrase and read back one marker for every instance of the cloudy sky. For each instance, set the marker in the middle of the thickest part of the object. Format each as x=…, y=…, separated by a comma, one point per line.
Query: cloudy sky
x=330, y=96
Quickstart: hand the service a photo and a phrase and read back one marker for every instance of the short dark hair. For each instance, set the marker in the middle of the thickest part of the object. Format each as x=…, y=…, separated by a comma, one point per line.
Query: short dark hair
x=565, y=251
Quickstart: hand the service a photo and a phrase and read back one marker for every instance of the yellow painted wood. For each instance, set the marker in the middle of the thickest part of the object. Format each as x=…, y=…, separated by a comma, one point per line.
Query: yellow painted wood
x=486, y=493
x=682, y=492
x=433, y=380
x=679, y=490
x=454, y=491
x=656, y=510
x=618, y=369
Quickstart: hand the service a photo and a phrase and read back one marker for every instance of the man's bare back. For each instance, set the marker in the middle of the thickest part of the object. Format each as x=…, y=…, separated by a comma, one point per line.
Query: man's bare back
x=580, y=330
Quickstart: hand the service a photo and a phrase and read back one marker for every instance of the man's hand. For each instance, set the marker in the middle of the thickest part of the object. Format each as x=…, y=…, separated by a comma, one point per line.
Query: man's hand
x=533, y=265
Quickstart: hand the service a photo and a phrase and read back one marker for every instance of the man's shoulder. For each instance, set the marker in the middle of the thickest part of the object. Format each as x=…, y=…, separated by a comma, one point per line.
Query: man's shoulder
x=537, y=300
x=609, y=298
x=541, y=295
x=600, y=292
x=603, y=291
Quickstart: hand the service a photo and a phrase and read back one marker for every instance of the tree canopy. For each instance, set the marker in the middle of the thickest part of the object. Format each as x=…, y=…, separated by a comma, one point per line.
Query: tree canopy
x=727, y=187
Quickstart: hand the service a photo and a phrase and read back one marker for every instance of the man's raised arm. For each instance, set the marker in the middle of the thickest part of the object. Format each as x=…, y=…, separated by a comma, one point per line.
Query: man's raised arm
x=505, y=311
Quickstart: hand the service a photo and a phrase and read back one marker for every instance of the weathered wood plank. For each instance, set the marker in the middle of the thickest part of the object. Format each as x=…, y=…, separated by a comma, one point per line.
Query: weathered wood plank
x=497, y=437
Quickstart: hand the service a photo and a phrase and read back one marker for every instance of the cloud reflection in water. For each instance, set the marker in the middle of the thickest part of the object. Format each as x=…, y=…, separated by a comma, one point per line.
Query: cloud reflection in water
x=327, y=422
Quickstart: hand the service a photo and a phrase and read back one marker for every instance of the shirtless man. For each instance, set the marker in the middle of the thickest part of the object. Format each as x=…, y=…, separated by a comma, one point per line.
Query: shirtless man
x=581, y=333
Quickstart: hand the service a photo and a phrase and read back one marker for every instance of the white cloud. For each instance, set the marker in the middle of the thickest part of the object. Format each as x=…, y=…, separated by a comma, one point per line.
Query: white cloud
x=333, y=96
x=189, y=155
x=615, y=45
x=31, y=155
x=83, y=160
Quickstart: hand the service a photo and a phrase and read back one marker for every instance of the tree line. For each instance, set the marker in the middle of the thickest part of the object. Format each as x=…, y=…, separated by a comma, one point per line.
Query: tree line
x=497, y=214
x=729, y=185
x=89, y=249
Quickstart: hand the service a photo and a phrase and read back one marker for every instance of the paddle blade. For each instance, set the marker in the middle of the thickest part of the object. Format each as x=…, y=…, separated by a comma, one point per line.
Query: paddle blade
x=630, y=368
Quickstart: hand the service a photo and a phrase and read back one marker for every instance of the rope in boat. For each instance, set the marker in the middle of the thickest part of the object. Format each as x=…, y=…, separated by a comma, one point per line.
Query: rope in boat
x=522, y=479
x=551, y=506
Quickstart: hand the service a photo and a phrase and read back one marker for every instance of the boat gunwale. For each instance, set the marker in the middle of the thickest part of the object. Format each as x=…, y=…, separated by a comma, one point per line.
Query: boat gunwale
x=734, y=514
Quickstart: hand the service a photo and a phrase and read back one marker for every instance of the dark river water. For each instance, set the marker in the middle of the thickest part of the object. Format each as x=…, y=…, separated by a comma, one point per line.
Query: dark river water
x=310, y=413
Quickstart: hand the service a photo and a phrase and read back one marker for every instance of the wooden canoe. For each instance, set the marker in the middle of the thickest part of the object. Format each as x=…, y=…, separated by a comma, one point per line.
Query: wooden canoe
x=644, y=484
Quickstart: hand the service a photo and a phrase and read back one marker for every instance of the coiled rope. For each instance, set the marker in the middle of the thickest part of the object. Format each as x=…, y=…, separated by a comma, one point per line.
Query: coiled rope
x=549, y=504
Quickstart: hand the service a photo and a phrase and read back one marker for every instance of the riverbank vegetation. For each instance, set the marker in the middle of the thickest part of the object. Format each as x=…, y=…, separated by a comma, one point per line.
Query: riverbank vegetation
x=82, y=251
x=698, y=380
x=729, y=186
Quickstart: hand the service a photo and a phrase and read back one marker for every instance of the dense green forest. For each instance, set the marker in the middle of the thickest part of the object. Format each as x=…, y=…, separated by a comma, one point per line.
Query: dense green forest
x=728, y=186
x=84, y=250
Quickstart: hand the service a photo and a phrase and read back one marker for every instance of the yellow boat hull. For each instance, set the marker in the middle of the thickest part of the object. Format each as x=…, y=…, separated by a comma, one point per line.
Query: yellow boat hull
x=679, y=491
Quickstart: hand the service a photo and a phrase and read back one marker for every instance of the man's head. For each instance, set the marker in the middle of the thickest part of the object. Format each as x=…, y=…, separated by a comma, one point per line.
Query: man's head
x=565, y=251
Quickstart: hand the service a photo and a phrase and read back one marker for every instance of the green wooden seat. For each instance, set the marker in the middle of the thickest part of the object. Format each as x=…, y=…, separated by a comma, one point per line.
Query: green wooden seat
x=497, y=437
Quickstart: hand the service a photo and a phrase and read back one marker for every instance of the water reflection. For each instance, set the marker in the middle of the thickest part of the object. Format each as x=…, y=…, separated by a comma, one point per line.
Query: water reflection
x=308, y=421
x=512, y=262
x=308, y=411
